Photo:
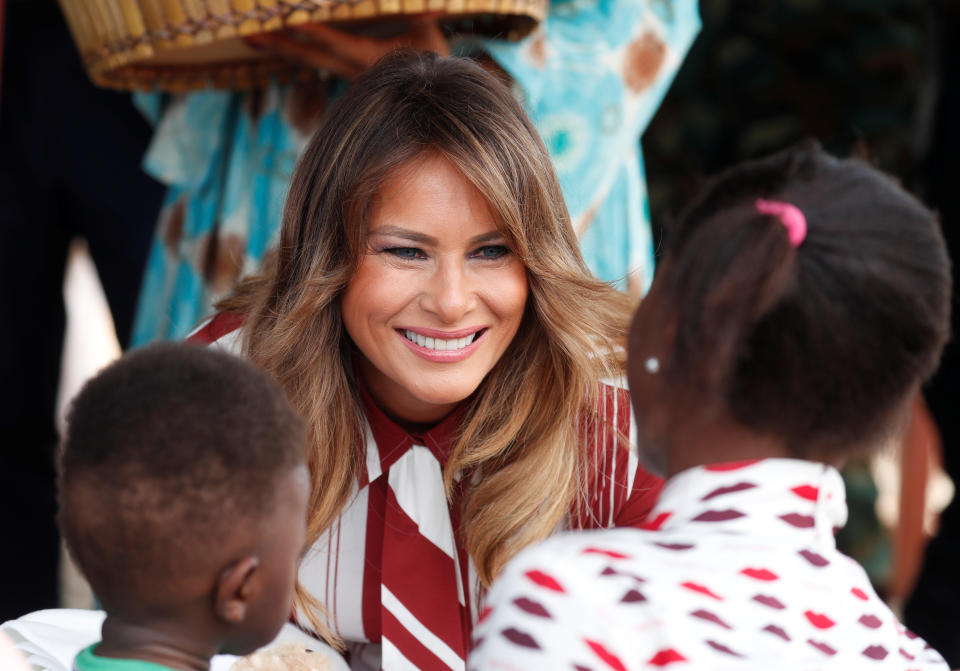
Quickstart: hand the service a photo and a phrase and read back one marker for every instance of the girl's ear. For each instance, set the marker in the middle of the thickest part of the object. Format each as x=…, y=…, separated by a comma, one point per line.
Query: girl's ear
x=234, y=589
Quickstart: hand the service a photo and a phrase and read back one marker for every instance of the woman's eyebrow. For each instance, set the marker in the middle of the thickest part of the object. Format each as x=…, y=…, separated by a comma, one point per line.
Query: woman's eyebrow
x=487, y=237
x=405, y=233
x=424, y=239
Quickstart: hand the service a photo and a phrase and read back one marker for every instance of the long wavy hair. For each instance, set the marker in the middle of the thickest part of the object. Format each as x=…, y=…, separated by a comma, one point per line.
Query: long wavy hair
x=519, y=442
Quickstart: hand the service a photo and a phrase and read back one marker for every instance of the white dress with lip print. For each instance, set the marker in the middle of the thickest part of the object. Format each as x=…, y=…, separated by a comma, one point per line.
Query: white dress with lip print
x=737, y=570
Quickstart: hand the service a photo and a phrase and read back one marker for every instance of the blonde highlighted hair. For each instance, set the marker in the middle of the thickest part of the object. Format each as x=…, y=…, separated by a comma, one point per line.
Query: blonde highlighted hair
x=521, y=437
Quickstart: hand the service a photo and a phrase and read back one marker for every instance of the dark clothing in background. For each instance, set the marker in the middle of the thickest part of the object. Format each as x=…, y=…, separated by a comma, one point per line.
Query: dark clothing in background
x=764, y=74
x=933, y=611
x=69, y=166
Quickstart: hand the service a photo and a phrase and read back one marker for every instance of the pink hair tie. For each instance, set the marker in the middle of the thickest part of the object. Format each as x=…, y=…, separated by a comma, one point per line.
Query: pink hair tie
x=789, y=214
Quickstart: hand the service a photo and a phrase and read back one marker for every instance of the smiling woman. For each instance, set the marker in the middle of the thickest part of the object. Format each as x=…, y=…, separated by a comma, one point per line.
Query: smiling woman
x=438, y=296
x=428, y=312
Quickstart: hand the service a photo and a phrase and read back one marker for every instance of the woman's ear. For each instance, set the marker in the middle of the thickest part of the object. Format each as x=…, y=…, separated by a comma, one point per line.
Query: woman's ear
x=234, y=588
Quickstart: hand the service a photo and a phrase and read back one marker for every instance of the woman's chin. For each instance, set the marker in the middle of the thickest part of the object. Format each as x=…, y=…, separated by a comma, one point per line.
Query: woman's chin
x=435, y=403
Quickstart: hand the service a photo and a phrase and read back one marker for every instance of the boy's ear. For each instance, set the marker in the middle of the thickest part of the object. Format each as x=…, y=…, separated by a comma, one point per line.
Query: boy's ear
x=234, y=588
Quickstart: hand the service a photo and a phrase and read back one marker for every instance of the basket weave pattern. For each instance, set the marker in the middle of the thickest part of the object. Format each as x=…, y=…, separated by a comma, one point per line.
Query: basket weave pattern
x=182, y=44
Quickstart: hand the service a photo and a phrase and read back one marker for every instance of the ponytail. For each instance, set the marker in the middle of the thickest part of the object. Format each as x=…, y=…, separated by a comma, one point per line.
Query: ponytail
x=751, y=268
x=817, y=330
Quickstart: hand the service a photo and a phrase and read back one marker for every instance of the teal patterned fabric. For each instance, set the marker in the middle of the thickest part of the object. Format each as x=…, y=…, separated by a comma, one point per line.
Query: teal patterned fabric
x=591, y=77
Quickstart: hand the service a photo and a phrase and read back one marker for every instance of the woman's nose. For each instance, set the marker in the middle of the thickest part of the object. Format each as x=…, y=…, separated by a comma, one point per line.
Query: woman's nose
x=449, y=293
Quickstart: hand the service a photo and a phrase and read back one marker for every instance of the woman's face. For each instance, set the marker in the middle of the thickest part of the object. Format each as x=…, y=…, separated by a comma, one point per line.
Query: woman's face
x=438, y=296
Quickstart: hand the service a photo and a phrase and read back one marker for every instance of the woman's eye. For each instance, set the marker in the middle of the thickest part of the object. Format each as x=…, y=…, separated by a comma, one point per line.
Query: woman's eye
x=406, y=252
x=492, y=252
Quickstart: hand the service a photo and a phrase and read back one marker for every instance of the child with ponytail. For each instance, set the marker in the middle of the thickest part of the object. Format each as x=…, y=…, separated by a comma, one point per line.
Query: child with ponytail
x=801, y=303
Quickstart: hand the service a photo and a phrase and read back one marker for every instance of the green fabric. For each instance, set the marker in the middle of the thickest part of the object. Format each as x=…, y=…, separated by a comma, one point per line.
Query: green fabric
x=87, y=661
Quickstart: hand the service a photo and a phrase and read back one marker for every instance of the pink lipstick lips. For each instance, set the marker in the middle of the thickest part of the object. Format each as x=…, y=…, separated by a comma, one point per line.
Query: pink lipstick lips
x=442, y=346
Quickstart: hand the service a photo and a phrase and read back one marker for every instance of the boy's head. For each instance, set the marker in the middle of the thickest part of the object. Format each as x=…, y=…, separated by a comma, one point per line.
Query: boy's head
x=183, y=493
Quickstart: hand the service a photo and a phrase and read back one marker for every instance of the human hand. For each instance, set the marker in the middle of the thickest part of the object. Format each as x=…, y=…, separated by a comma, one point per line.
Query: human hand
x=320, y=46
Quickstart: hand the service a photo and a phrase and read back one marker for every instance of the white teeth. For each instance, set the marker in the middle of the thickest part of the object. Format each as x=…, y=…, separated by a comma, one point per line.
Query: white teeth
x=439, y=344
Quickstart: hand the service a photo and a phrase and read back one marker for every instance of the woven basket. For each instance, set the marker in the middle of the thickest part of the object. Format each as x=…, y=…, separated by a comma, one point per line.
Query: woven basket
x=177, y=45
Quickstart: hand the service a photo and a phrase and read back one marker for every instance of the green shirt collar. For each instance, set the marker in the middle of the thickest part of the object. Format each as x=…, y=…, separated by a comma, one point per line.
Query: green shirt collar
x=87, y=661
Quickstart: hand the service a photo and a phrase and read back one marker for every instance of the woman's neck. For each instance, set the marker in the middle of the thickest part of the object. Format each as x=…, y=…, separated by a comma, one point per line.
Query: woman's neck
x=403, y=409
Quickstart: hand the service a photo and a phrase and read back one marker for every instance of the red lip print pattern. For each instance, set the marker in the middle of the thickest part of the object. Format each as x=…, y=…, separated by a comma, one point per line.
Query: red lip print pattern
x=860, y=594
x=608, y=553
x=666, y=657
x=677, y=547
x=633, y=596
x=710, y=617
x=520, y=638
x=822, y=647
x=532, y=607
x=731, y=489
x=719, y=647
x=609, y=570
x=611, y=660
x=657, y=522
x=777, y=631
x=760, y=574
x=546, y=581
x=817, y=560
x=819, y=620
x=871, y=621
x=877, y=652
x=808, y=492
x=718, y=516
x=798, y=520
x=769, y=601
x=701, y=589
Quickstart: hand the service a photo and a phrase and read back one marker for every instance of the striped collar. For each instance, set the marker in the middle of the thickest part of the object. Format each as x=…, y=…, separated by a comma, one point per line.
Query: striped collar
x=387, y=441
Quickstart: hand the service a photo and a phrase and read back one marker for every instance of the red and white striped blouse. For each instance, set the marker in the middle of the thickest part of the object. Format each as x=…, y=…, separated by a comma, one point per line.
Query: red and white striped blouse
x=392, y=571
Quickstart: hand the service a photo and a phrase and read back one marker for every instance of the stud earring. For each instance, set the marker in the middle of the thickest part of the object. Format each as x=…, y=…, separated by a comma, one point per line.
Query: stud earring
x=652, y=365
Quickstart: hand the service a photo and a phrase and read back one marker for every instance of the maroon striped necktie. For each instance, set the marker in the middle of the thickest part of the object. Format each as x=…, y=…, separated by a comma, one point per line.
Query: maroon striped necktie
x=425, y=614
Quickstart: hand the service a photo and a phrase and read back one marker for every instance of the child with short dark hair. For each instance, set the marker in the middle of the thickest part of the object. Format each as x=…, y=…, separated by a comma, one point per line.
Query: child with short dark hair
x=801, y=303
x=183, y=499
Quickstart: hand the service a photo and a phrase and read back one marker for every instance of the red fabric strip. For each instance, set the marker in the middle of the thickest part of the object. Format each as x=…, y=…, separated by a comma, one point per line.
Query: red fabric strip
x=216, y=328
x=409, y=646
x=643, y=496
x=376, y=507
x=422, y=576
